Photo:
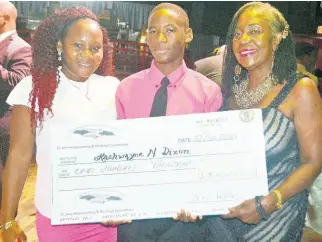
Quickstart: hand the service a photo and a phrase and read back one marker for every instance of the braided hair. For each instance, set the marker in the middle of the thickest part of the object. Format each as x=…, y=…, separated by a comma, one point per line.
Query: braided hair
x=45, y=74
x=284, y=66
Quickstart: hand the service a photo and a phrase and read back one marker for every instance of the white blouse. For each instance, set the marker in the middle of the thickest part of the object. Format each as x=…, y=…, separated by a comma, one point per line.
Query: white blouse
x=91, y=100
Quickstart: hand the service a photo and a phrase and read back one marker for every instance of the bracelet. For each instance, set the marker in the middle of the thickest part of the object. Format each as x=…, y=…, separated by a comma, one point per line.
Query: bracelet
x=279, y=198
x=260, y=209
x=7, y=225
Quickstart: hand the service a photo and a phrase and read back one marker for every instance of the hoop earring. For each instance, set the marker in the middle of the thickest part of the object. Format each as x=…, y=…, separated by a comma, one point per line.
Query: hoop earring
x=237, y=73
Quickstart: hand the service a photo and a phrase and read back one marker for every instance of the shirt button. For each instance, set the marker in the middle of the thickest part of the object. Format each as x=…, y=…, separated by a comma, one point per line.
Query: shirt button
x=175, y=86
x=156, y=86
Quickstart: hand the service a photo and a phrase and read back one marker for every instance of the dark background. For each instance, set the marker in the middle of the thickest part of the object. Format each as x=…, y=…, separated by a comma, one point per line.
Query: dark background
x=303, y=16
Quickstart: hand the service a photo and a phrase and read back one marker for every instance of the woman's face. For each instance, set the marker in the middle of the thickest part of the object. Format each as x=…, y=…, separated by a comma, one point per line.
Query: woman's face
x=253, y=40
x=82, y=49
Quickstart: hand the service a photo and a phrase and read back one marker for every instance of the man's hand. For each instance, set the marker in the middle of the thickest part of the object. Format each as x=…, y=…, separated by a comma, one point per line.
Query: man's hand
x=186, y=217
x=116, y=222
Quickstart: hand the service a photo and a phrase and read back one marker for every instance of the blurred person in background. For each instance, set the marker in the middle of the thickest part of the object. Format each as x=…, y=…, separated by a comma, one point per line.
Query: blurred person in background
x=211, y=67
x=303, y=52
x=15, y=64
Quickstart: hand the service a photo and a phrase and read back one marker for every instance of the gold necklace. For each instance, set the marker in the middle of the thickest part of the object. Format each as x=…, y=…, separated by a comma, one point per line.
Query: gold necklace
x=246, y=99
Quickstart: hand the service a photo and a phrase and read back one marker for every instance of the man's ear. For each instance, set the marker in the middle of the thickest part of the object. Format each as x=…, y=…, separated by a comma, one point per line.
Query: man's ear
x=59, y=46
x=189, y=36
x=7, y=18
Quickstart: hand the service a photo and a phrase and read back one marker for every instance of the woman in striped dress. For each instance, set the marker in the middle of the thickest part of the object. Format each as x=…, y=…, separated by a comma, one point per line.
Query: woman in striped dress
x=260, y=72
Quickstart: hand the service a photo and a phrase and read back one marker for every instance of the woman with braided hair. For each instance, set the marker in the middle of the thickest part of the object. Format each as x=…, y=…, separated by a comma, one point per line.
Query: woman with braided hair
x=72, y=79
x=260, y=72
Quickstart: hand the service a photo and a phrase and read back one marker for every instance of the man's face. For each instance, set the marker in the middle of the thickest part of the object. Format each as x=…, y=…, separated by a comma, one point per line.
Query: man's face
x=167, y=36
x=82, y=49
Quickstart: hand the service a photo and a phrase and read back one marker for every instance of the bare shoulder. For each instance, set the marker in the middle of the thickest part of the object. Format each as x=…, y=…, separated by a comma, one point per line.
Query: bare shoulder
x=305, y=82
x=305, y=95
x=305, y=88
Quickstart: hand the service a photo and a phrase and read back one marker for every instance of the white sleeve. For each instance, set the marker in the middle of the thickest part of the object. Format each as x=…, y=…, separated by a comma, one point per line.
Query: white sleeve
x=20, y=94
x=113, y=82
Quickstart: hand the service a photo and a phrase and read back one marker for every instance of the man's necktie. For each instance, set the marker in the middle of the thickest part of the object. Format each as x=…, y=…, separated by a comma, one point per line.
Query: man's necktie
x=159, y=106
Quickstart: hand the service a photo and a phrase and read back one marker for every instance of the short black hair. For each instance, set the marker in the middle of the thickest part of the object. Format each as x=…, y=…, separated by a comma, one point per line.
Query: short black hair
x=175, y=8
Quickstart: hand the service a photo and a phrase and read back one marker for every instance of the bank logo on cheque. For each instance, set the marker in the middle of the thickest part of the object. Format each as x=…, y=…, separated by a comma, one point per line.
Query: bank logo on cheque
x=94, y=131
x=246, y=115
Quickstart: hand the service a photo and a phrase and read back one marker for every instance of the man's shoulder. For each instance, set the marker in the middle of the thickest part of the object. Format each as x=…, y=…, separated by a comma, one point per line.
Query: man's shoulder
x=18, y=46
x=134, y=78
x=200, y=78
x=18, y=42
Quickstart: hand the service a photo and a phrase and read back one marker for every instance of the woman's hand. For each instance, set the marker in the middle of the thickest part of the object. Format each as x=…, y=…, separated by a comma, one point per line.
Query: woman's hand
x=14, y=234
x=116, y=222
x=186, y=217
x=247, y=213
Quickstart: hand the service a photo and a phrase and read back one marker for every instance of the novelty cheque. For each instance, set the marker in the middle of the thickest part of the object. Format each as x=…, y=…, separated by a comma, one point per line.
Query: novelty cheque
x=154, y=167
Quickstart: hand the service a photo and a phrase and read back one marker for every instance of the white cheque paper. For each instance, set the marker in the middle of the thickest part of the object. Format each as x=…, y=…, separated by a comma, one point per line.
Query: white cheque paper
x=152, y=168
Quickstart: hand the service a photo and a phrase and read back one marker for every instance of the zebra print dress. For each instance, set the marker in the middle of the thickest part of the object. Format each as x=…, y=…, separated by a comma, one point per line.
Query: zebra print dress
x=282, y=156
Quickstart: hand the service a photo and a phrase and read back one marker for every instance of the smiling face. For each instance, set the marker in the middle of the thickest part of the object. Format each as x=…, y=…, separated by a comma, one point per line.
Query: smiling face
x=82, y=49
x=253, y=42
x=167, y=36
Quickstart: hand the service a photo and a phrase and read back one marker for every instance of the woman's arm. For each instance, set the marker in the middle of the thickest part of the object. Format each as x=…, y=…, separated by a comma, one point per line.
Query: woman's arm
x=307, y=113
x=306, y=105
x=22, y=138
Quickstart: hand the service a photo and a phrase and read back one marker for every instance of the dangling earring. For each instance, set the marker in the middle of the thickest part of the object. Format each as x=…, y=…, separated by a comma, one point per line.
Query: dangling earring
x=236, y=86
x=237, y=73
x=59, y=56
x=271, y=74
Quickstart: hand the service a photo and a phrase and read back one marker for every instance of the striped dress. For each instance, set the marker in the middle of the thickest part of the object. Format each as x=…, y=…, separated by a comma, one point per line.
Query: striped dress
x=282, y=157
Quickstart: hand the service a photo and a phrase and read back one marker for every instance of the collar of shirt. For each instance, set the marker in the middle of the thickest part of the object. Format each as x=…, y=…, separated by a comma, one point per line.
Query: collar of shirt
x=175, y=78
x=4, y=35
